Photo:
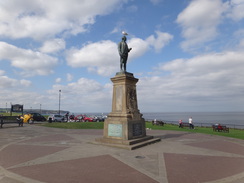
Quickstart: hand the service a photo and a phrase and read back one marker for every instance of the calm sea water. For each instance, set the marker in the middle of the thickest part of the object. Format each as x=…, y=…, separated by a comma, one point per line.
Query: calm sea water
x=232, y=119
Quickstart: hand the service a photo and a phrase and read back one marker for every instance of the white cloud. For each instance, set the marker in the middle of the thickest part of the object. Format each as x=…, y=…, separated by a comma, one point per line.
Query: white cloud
x=201, y=19
x=25, y=82
x=119, y=27
x=139, y=47
x=199, y=22
x=58, y=80
x=32, y=63
x=115, y=30
x=2, y=72
x=6, y=82
x=69, y=77
x=161, y=40
x=28, y=99
x=239, y=38
x=84, y=95
x=103, y=58
x=236, y=10
x=40, y=20
x=53, y=46
x=241, y=44
x=79, y=87
x=208, y=80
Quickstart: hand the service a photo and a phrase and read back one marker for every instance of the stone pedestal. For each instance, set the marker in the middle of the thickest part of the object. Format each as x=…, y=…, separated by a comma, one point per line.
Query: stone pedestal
x=124, y=126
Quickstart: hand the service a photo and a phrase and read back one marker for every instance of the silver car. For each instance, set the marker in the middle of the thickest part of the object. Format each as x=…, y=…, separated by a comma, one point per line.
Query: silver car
x=55, y=118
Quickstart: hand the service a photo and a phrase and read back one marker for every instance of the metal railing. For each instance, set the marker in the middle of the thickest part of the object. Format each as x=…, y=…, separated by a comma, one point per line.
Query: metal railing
x=200, y=124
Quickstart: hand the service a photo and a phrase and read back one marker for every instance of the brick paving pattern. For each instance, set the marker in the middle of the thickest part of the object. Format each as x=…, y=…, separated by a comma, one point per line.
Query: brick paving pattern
x=36, y=154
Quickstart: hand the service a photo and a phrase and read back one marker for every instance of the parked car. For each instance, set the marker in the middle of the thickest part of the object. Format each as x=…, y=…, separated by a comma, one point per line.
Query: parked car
x=99, y=118
x=87, y=119
x=37, y=117
x=55, y=118
x=78, y=118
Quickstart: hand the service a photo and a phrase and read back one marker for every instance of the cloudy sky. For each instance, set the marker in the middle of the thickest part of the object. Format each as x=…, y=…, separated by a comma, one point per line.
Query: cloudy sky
x=188, y=55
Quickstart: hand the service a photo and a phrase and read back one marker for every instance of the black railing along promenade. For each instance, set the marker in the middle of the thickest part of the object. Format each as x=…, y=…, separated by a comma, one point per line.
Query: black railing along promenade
x=234, y=126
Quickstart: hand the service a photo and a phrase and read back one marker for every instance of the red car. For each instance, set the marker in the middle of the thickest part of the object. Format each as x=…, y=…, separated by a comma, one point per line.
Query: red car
x=78, y=118
x=83, y=118
x=88, y=119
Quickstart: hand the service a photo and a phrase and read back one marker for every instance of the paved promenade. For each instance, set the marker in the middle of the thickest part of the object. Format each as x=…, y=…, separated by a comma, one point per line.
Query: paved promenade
x=36, y=154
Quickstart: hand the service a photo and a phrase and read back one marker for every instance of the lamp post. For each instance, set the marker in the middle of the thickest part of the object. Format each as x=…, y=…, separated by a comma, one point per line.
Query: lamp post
x=59, y=102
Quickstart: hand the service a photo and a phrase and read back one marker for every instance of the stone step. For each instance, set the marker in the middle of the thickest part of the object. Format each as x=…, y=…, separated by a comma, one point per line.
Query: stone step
x=138, y=140
x=144, y=143
x=130, y=144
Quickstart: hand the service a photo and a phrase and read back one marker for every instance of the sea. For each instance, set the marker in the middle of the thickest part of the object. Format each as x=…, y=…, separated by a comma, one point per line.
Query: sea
x=230, y=119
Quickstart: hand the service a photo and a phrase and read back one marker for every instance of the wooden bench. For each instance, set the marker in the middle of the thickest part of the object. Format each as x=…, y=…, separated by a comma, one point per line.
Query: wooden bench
x=160, y=123
x=10, y=119
x=184, y=125
x=220, y=128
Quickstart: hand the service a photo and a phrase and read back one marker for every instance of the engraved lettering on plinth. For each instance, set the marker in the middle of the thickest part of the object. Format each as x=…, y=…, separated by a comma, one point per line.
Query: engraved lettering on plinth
x=115, y=130
x=137, y=129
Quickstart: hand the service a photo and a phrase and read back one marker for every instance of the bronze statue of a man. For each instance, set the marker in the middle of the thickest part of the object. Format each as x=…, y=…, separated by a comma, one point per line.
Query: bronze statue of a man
x=123, y=52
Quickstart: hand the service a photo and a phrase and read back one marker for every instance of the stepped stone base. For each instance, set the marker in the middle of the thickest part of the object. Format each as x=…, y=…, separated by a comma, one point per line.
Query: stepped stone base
x=128, y=144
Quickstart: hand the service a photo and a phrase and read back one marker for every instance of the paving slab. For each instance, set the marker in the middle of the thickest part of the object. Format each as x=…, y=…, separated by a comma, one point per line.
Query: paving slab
x=37, y=154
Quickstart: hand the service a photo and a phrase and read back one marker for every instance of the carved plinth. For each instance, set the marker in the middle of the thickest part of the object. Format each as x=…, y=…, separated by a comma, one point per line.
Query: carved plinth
x=125, y=126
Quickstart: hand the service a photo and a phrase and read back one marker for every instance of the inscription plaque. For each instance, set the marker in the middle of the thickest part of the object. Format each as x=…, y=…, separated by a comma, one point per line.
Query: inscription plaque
x=137, y=129
x=115, y=130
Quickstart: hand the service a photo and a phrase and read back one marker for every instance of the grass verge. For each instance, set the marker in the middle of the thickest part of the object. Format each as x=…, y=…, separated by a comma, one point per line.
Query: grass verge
x=234, y=133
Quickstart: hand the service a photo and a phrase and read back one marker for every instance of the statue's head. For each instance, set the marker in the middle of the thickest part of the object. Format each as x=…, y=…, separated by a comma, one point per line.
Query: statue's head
x=124, y=38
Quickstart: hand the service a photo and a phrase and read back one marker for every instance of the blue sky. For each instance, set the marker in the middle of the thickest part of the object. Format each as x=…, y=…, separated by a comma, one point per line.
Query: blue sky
x=188, y=55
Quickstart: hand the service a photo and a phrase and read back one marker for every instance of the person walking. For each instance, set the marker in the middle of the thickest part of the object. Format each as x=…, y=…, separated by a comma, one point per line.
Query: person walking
x=191, y=123
x=155, y=122
x=67, y=117
x=180, y=123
